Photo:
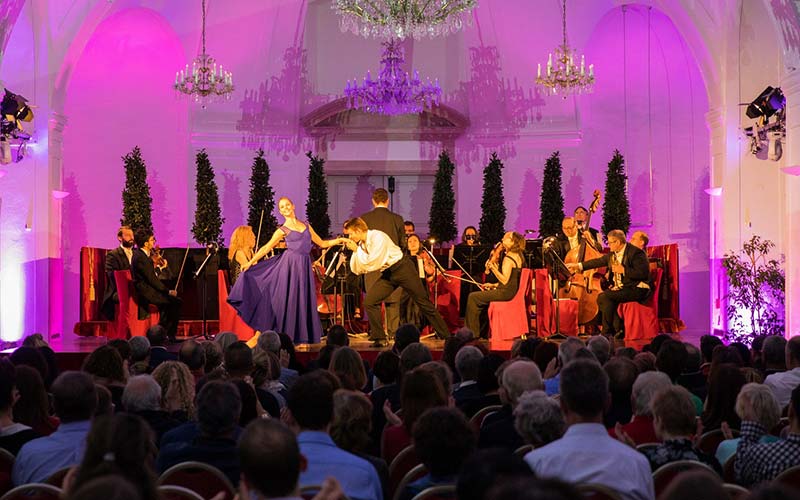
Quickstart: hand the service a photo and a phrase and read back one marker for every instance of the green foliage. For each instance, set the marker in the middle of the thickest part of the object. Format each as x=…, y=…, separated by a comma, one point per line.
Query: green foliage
x=551, y=203
x=442, y=218
x=616, y=208
x=137, y=204
x=207, y=227
x=493, y=205
x=756, y=292
x=262, y=201
x=317, y=202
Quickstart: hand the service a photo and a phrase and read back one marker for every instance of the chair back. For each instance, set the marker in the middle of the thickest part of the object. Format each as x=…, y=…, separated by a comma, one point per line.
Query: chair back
x=647, y=446
x=33, y=491
x=310, y=491
x=6, y=465
x=442, y=491
x=404, y=461
x=790, y=477
x=477, y=420
x=666, y=473
x=57, y=477
x=172, y=492
x=593, y=491
x=729, y=470
x=736, y=492
x=523, y=450
x=417, y=472
x=655, y=279
x=709, y=441
x=204, y=479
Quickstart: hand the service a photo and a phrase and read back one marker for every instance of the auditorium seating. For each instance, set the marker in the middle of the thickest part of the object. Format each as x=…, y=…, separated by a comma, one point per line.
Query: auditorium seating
x=199, y=477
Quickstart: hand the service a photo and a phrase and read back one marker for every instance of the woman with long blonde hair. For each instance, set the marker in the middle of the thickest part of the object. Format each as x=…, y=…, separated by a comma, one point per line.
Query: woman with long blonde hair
x=243, y=241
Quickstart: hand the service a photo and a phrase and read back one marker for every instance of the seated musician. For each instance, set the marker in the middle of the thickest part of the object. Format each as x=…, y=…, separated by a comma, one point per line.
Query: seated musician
x=409, y=228
x=118, y=259
x=469, y=238
x=243, y=241
x=507, y=273
x=581, y=214
x=409, y=312
x=630, y=275
x=144, y=273
x=640, y=240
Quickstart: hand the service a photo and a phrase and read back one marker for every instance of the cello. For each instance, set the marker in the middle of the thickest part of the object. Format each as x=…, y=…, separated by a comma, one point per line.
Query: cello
x=586, y=286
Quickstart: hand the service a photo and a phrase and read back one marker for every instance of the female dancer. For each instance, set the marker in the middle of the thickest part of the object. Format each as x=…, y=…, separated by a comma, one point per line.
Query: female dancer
x=507, y=276
x=279, y=293
x=241, y=251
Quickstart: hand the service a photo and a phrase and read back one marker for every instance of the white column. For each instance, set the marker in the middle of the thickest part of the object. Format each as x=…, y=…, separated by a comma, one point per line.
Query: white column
x=791, y=228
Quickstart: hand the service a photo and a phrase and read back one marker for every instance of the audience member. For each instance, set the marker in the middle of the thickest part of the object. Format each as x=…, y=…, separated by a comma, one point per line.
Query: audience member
x=621, y=376
x=451, y=347
x=33, y=407
x=140, y=356
x=107, y=487
x=545, y=352
x=270, y=341
x=287, y=345
x=692, y=378
x=756, y=352
x=412, y=356
x=497, y=430
x=238, y=360
x=725, y=354
x=405, y=335
x=311, y=410
x=641, y=429
x=12, y=434
x=123, y=348
x=707, y=345
x=671, y=359
x=534, y=489
x=192, y=354
x=656, y=343
x=75, y=400
x=756, y=461
x=213, y=356
x=348, y=366
x=757, y=401
x=694, y=484
x=485, y=468
x=645, y=362
x=105, y=405
x=157, y=336
x=337, y=335
x=120, y=445
x=251, y=407
x=386, y=374
x=442, y=372
x=724, y=383
x=774, y=491
x=782, y=384
x=604, y=460
x=675, y=424
x=443, y=440
x=142, y=397
x=106, y=367
x=600, y=347
x=527, y=348
x=538, y=418
x=774, y=354
x=468, y=362
x=488, y=384
x=266, y=379
x=177, y=389
x=225, y=339
x=744, y=353
x=626, y=352
x=566, y=353
x=218, y=408
x=33, y=357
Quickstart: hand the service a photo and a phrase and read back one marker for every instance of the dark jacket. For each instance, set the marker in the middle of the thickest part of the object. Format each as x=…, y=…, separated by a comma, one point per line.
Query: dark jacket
x=634, y=260
x=385, y=220
x=149, y=288
x=116, y=260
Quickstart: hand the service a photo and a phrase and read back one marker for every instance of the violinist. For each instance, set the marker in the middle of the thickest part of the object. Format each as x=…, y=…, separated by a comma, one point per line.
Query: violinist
x=468, y=246
x=243, y=241
x=506, y=268
x=149, y=287
x=409, y=312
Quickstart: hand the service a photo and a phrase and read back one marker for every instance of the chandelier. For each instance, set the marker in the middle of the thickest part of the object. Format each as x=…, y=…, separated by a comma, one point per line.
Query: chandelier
x=395, y=92
x=402, y=18
x=565, y=77
x=204, y=80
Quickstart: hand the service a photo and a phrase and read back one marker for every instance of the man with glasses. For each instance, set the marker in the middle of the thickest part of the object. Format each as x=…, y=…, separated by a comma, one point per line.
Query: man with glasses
x=629, y=273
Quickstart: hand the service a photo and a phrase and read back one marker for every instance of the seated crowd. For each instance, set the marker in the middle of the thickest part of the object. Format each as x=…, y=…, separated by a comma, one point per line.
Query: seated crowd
x=550, y=422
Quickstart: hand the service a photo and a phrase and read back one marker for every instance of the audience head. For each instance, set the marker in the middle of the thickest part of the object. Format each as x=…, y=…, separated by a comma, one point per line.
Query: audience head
x=485, y=468
x=157, y=336
x=772, y=490
x=468, y=362
x=36, y=340
x=645, y=362
x=225, y=339
x=646, y=386
x=266, y=367
x=386, y=368
x=527, y=348
x=325, y=355
x=725, y=355
x=421, y=390
x=744, y=352
x=74, y=396
x=142, y=393
x=793, y=353
x=140, y=349
x=533, y=489
x=442, y=372
x=724, y=383
x=538, y=418
x=584, y=353
x=270, y=341
x=443, y=439
x=8, y=390
x=673, y=413
x=192, y=355
x=707, y=345
x=464, y=334
x=757, y=402
x=518, y=377
x=310, y=400
x=405, y=335
x=414, y=355
x=657, y=342
x=568, y=348
x=600, y=347
x=584, y=391
x=104, y=404
x=176, y=382
x=626, y=352
x=31, y=356
x=105, y=363
x=287, y=344
x=544, y=353
x=671, y=359
x=120, y=444
x=773, y=352
x=694, y=484
x=487, y=373
x=693, y=358
x=249, y=399
x=238, y=360
x=337, y=335
x=32, y=408
x=622, y=374
x=451, y=347
x=219, y=406
x=213, y=354
x=352, y=421
x=105, y=487
x=348, y=366
x=270, y=459
x=123, y=348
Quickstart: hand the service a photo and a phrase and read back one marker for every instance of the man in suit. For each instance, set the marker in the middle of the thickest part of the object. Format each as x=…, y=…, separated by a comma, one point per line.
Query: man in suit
x=149, y=288
x=589, y=233
x=382, y=219
x=118, y=259
x=630, y=276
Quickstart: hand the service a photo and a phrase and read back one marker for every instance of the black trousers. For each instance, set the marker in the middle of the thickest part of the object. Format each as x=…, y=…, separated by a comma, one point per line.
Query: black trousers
x=169, y=311
x=608, y=301
x=404, y=275
x=477, y=318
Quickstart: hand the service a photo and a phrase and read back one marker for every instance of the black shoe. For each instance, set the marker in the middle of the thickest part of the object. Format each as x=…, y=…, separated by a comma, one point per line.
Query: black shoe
x=379, y=343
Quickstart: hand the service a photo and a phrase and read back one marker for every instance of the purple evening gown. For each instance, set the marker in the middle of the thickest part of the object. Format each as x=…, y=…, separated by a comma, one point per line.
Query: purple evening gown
x=280, y=294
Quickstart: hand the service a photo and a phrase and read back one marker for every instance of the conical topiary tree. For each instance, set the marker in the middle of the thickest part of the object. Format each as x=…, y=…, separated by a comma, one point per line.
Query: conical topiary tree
x=317, y=202
x=442, y=218
x=137, y=203
x=616, y=208
x=551, y=203
x=207, y=227
x=493, y=206
x=262, y=200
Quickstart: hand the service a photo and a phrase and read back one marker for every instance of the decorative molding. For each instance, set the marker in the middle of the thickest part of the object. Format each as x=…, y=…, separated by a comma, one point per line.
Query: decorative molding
x=381, y=167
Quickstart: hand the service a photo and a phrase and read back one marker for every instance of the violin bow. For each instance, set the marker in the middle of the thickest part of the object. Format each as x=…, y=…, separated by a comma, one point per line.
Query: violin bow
x=258, y=236
x=180, y=273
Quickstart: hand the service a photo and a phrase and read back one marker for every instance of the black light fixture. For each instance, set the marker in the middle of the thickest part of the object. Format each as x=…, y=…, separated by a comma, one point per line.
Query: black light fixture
x=769, y=102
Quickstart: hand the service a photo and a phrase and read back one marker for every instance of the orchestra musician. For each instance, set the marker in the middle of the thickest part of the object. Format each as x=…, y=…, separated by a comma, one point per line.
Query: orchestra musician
x=118, y=259
x=426, y=271
x=589, y=233
x=243, y=241
x=630, y=274
x=144, y=273
x=409, y=228
x=640, y=240
x=469, y=238
x=507, y=271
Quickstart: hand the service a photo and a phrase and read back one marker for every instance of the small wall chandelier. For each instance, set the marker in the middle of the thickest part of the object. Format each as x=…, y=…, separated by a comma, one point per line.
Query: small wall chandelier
x=565, y=77
x=204, y=80
x=402, y=18
x=395, y=92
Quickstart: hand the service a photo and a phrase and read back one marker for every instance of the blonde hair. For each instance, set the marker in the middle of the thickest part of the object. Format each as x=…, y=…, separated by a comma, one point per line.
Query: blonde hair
x=240, y=241
x=168, y=371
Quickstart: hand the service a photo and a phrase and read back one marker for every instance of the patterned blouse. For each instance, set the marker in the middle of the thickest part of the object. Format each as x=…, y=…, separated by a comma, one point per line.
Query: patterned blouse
x=679, y=449
x=757, y=462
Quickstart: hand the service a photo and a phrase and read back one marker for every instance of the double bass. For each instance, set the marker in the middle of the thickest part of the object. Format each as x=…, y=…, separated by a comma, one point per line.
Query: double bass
x=586, y=286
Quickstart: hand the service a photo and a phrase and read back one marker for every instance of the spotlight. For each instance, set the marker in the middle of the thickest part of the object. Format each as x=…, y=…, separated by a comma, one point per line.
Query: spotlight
x=769, y=102
x=765, y=137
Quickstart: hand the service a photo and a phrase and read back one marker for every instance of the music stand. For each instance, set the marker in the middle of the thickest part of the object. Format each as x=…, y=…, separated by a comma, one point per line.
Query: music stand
x=338, y=272
x=533, y=253
x=211, y=251
x=558, y=271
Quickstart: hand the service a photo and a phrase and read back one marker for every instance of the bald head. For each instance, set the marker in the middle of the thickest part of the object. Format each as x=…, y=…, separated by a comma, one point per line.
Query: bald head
x=521, y=376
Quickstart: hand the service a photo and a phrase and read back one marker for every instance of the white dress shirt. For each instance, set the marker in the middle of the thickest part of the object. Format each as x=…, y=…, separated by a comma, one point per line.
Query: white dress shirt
x=587, y=454
x=128, y=253
x=782, y=385
x=375, y=253
x=574, y=241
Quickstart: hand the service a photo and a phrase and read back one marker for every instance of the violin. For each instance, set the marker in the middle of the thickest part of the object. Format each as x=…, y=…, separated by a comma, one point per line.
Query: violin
x=496, y=256
x=157, y=257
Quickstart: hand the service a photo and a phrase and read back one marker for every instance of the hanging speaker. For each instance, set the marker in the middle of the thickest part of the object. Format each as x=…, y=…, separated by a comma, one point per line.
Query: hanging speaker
x=391, y=184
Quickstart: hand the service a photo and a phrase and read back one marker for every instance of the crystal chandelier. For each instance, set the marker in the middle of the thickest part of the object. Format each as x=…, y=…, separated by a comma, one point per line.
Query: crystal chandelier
x=402, y=18
x=565, y=77
x=204, y=80
x=395, y=92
